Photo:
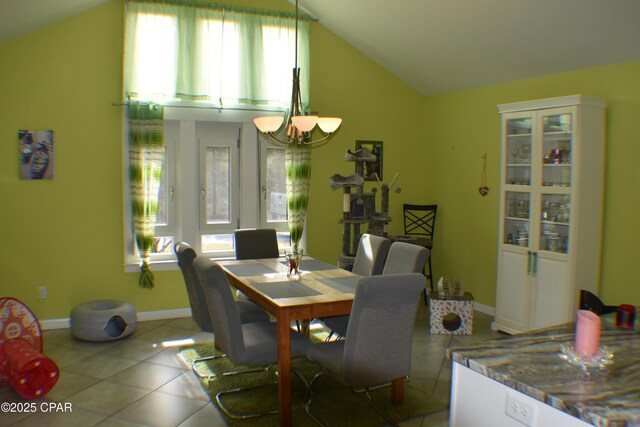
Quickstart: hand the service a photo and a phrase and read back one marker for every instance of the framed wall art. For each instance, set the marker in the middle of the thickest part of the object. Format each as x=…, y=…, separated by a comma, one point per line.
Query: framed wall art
x=36, y=154
x=371, y=169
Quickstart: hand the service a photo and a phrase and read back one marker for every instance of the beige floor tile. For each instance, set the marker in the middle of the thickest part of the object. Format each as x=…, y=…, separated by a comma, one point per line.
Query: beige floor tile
x=134, y=348
x=116, y=422
x=101, y=365
x=70, y=383
x=186, y=385
x=106, y=397
x=65, y=356
x=76, y=418
x=169, y=357
x=165, y=334
x=161, y=410
x=208, y=416
x=149, y=376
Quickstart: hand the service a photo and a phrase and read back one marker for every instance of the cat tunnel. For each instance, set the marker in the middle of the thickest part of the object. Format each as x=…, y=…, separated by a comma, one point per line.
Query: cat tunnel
x=22, y=364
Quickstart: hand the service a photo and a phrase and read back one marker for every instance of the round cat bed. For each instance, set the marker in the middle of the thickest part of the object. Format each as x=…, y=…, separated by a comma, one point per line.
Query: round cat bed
x=103, y=320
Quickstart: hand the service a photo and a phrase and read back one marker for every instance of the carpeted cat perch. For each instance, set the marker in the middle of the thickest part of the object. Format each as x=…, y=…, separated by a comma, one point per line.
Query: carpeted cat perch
x=22, y=364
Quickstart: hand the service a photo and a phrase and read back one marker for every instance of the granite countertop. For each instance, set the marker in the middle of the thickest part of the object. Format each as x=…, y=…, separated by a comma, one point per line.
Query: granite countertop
x=529, y=363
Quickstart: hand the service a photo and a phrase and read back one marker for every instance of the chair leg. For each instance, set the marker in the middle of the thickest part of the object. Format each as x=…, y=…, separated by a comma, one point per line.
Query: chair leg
x=194, y=368
x=237, y=416
x=379, y=410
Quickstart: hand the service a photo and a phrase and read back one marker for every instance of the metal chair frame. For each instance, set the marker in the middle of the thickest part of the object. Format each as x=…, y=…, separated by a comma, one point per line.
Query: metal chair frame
x=420, y=220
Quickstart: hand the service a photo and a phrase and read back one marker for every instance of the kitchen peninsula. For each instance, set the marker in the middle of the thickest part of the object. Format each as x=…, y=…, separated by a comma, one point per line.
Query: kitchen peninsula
x=521, y=380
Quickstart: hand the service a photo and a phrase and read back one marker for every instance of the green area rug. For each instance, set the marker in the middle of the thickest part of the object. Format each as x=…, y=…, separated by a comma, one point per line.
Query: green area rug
x=334, y=404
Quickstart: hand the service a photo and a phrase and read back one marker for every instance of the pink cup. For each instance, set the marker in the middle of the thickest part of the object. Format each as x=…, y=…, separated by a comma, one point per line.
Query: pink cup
x=587, y=333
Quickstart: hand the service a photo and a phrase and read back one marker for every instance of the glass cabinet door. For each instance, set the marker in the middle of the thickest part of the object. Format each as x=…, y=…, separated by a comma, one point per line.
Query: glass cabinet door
x=556, y=150
x=517, y=218
x=554, y=223
x=518, y=155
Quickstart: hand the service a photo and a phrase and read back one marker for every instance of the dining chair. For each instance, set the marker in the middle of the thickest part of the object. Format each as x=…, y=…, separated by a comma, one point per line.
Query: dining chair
x=256, y=243
x=377, y=345
x=370, y=257
x=420, y=221
x=406, y=258
x=249, y=312
x=244, y=343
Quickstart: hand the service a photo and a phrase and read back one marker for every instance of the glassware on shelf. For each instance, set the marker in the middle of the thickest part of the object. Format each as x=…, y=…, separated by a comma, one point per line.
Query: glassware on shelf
x=515, y=155
x=525, y=152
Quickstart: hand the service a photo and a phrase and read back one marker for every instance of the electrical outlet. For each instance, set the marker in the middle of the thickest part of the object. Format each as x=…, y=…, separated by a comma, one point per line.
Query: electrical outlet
x=520, y=411
x=43, y=293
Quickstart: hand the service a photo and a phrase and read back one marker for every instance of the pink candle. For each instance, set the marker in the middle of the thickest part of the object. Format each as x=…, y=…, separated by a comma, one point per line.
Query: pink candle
x=587, y=333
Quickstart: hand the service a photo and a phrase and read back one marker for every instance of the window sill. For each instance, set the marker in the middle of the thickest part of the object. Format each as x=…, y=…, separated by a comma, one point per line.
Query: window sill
x=163, y=265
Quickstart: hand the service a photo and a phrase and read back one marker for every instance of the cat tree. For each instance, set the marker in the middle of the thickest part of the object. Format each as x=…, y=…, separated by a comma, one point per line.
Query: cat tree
x=358, y=207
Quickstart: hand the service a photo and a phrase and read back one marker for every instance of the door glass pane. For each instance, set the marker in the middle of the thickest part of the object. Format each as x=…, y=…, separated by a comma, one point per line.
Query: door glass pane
x=518, y=156
x=162, y=218
x=217, y=242
x=556, y=150
x=217, y=187
x=555, y=217
x=276, y=185
x=516, y=222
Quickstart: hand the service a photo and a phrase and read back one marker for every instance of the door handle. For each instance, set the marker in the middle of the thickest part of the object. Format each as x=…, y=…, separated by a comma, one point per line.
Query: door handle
x=535, y=263
x=528, y=262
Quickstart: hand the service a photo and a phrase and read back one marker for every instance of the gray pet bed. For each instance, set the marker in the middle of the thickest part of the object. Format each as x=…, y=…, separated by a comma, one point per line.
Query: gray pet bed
x=103, y=320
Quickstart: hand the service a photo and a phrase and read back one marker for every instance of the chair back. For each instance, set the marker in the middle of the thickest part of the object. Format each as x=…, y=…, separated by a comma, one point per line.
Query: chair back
x=256, y=243
x=370, y=255
x=199, y=311
x=225, y=318
x=377, y=348
x=419, y=220
x=405, y=258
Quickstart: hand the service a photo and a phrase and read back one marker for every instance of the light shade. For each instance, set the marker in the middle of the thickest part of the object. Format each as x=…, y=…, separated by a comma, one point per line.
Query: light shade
x=268, y=124
x=304, y=123
x=329, y=124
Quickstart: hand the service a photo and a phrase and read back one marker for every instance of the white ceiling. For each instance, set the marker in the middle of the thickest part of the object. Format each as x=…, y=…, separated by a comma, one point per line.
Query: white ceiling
x=438, y=46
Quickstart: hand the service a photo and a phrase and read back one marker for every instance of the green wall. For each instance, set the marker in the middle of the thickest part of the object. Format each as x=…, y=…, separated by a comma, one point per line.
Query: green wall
x=66, y=234
x=466, y=125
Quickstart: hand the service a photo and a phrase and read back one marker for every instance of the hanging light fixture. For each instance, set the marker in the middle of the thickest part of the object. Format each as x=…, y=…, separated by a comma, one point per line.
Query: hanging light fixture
x=298, y=125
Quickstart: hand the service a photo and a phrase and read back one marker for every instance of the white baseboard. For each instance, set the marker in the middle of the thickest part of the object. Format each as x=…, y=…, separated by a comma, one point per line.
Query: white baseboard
x=484, y=309
x=141, y=317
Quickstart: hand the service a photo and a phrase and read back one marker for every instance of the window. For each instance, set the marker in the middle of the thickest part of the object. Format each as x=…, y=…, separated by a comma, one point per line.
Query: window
x=217, y=175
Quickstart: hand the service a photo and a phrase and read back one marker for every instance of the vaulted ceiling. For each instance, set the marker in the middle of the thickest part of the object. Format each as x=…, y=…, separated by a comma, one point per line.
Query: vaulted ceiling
x=438, y=46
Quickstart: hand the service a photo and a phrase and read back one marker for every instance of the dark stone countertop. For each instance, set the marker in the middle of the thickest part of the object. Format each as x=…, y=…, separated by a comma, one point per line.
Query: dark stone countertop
x=530, y=363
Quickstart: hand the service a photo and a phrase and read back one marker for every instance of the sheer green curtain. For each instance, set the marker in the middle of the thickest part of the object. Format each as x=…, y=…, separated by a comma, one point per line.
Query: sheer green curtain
x=146, y=155
x=222, y=57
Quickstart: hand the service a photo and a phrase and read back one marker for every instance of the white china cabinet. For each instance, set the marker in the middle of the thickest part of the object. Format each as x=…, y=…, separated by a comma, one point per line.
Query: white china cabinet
x=551, y=203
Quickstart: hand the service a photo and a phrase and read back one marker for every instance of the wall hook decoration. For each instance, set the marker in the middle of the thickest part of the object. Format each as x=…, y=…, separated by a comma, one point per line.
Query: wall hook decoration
x=484, y=188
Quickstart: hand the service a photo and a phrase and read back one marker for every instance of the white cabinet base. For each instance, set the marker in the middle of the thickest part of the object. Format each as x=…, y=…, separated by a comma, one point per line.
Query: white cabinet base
x=479, y=401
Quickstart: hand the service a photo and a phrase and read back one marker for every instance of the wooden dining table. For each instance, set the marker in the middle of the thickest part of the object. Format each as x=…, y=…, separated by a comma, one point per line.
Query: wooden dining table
x=322, y=290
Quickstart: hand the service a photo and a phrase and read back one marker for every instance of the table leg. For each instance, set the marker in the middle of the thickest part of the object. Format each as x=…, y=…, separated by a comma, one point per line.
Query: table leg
x=284, y=368
x=397, y=391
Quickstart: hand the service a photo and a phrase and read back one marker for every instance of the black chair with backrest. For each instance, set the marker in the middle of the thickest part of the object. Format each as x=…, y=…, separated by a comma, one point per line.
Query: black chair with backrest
x=200, y=310
x=244, y=343
x=420, y=222
x=377, y=346
x=370, y=257
x=256, y=243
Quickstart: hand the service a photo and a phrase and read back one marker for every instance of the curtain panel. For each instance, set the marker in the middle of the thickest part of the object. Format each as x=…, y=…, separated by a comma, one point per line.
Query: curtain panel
x=226, y=58
x=146, y=157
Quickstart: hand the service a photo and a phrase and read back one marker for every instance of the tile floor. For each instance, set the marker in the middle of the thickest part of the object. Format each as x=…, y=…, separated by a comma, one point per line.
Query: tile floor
x=139, y=382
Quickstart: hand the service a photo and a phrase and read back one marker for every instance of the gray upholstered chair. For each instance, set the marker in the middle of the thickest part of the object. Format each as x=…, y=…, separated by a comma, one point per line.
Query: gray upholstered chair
x=405, y=258
x=249, y=312
x=377, y=346
x=370, y=258
x=244, y=343
x=256, y=243
x=370, y=255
